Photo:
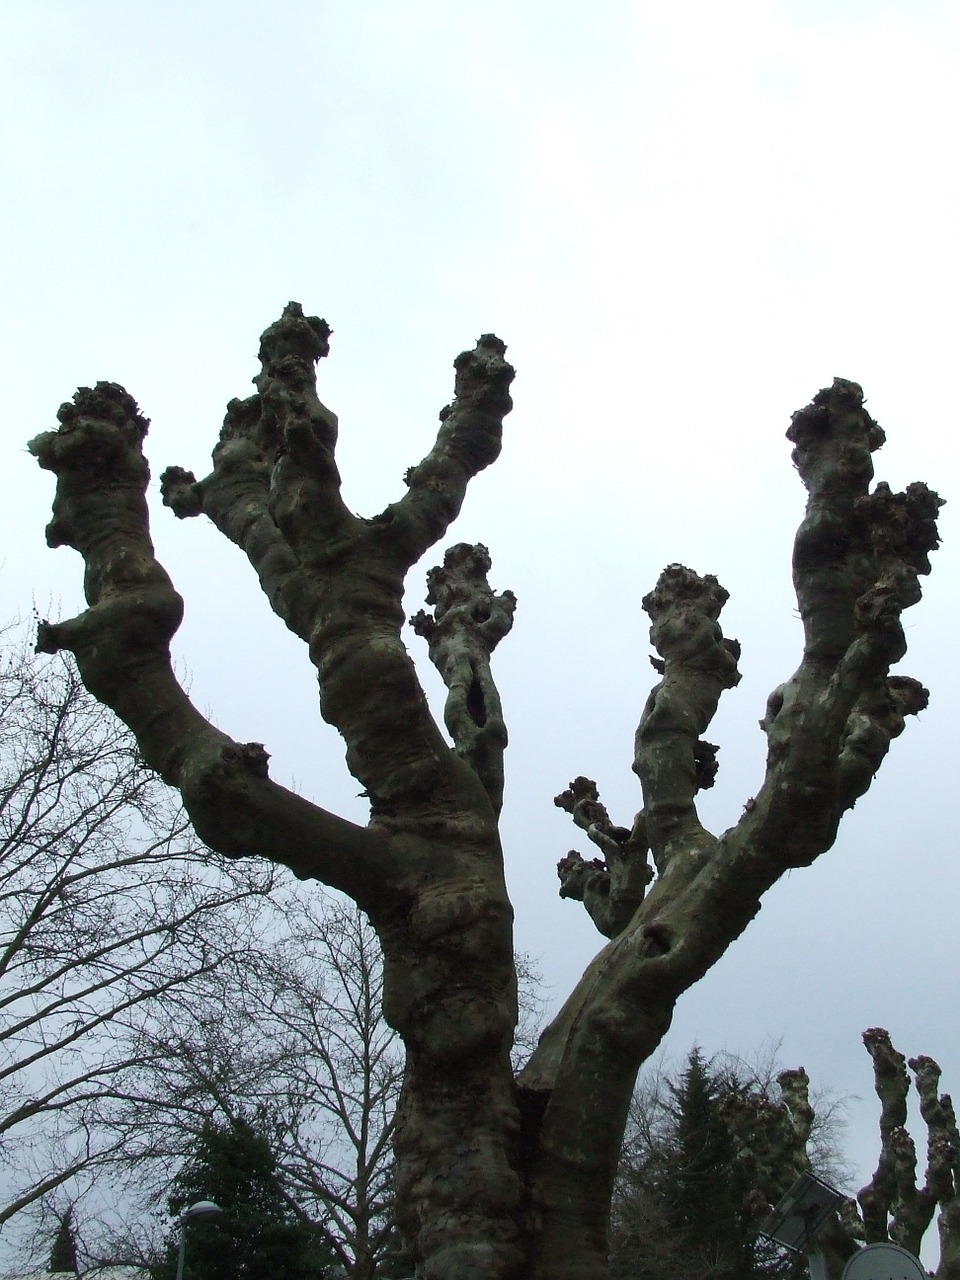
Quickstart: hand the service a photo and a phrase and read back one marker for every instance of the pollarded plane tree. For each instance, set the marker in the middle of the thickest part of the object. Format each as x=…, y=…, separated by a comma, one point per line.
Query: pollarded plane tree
x=497, y=1176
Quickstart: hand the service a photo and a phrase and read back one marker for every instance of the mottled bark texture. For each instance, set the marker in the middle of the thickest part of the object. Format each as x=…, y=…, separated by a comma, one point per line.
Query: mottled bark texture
x=467, y=624
x=857, y=558
x=496, y=1178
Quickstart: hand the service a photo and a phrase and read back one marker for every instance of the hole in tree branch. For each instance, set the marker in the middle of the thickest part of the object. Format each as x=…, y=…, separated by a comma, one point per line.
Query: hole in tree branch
x=475, y=704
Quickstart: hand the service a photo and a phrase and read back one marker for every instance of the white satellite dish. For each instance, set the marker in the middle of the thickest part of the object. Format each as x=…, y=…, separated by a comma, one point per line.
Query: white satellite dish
x=884, y=1261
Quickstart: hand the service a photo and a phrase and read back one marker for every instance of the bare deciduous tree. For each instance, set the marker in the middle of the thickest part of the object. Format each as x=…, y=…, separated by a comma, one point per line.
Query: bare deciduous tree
x=109, y=909
x=344, y=1083
x=306, y=1051
x=497, y=1176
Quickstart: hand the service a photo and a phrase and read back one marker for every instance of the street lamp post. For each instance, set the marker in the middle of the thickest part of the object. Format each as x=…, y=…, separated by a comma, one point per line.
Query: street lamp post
x=202, y=1209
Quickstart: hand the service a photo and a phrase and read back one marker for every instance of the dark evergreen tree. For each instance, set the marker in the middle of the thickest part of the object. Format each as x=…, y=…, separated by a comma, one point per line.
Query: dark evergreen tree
x=63, y=1254
x=706, y=1201
x=259, y=1235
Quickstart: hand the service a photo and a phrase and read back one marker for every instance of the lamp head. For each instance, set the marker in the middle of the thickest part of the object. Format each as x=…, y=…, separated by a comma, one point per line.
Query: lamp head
x=202, y=1209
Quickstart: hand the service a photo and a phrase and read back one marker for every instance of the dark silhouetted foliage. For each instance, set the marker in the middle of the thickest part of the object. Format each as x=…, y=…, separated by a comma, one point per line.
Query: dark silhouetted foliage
x=63, y=1254
x=258, y=1236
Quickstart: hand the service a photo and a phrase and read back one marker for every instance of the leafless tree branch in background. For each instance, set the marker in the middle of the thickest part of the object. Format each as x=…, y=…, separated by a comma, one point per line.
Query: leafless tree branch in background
x=110, y=911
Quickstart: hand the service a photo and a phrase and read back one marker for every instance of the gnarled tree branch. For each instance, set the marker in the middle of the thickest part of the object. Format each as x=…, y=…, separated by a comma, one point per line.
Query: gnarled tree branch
x=337, y=579
x=697, y=664
x=892, y=1203
x=122, y=640
x=468, y=440
x=856, y=564
x=467, y=624
x=610, y=889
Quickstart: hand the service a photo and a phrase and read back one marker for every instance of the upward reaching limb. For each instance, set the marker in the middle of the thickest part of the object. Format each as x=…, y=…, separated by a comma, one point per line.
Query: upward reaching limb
x=467, y=624
x=335, y=578
x=122, y=641
x=856, y=565
x=893, y=1205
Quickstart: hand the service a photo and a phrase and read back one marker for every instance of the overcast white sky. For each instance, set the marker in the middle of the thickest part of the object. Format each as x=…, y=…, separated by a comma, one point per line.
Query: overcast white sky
x=684, y=218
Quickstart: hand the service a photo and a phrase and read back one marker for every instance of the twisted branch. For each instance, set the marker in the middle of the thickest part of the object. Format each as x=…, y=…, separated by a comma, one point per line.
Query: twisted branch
x=467, y=624
x=892, y=1205
x=697, y=663
x=857, y=559
x=613, y=887
x=122, y=641
x=334, y=578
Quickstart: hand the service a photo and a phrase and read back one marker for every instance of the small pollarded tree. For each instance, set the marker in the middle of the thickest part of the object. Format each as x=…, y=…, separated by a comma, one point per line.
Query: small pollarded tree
x=497, y=1176
x=894, y=1205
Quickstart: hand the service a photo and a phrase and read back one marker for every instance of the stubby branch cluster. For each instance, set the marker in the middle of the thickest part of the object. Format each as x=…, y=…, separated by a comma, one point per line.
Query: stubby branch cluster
x=772, y=1139
x=467, y=624
x=893, y=1205
x=857, y=560
x=612, y=887
x=335, y=578
x=672, y=760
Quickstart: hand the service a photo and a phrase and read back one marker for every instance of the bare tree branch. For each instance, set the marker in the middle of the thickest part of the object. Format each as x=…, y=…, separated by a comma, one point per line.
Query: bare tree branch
x=856, y=564
x=611, y=889
x=122, y=647
x=107, y=911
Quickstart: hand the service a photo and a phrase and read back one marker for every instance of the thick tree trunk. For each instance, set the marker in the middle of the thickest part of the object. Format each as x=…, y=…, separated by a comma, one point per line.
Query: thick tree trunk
x=450, y=991
x=497, y=1179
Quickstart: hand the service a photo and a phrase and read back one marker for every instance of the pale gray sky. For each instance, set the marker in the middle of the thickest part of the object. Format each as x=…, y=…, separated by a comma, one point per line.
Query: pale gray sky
x=684, y=218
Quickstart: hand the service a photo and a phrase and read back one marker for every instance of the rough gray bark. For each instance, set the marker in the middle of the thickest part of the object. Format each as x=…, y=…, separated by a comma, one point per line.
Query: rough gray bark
x=497, y=1178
